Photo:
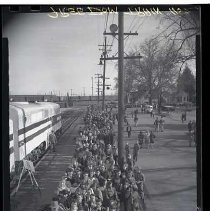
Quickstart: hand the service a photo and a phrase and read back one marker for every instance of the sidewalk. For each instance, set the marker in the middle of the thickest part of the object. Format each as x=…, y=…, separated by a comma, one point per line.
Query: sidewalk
x=169, y=168
x=177, y=116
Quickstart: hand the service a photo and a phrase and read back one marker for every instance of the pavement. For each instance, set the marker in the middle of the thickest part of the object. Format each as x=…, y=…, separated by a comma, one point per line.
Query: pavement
x=191, y=115
x=169, y=167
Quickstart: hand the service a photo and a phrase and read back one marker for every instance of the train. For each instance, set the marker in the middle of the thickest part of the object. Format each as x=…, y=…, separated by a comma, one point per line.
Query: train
x=30, y=124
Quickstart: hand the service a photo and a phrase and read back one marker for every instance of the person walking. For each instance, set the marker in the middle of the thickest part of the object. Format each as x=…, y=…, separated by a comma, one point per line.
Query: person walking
x=156, y=124
x=129, y=129
x=136, y=149
x=135, y=120
x=141, y=139
x=151, y=138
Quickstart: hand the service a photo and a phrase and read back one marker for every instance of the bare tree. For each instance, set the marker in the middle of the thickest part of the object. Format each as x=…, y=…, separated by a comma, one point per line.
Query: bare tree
x=180, y=31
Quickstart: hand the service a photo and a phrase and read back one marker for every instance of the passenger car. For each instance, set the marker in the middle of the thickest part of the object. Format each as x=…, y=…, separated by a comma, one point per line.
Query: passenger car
x=29, y=127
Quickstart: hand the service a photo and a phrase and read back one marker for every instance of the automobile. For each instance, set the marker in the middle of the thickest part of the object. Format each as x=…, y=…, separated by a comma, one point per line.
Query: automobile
x=167, y=108
x=149, y=108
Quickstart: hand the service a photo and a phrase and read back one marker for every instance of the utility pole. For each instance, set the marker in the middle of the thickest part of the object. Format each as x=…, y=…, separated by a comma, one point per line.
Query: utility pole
x=121, y=86
x=104, y=70
x=71, y=92
x=120, y=28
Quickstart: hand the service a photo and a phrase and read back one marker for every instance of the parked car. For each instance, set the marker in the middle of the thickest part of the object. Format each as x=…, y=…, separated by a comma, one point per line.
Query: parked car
x=167, y=108
x=129, y=105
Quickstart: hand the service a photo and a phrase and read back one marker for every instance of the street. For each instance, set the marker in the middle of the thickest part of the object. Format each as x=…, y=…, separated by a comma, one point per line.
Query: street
x=169, y=168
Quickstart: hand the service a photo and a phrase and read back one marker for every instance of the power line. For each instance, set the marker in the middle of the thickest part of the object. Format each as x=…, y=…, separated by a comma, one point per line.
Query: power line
x=140, y=24
x=113, y=37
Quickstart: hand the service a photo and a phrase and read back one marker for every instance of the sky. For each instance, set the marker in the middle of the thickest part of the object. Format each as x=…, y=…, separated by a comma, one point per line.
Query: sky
x=62, y=54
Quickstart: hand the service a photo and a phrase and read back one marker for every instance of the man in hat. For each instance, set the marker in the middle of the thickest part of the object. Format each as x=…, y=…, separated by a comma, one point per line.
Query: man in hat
x=99, y=177
x=78, y=176
x=103, y=171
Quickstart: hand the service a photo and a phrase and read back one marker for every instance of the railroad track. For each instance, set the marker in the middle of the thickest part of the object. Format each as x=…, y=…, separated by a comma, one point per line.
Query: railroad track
x=67, y=119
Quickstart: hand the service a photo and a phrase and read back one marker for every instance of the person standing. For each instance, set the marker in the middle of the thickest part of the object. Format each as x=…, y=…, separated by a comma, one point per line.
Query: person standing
x=189, y=125
x=125, y=120
x=182, y=117
x=129, y=129
x=136, y=149
x=147, y=139
x=151, y=114
x=53, y=140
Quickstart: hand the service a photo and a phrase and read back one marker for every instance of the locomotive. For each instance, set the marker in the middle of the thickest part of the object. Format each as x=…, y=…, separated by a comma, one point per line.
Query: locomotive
x=30, y=124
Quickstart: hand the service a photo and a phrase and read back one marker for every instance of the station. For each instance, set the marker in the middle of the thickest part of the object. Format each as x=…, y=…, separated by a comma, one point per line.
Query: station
x=83, y=138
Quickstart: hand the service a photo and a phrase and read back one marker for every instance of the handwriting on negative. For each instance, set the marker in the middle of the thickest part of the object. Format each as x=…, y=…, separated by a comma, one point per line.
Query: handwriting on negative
x=66, y=12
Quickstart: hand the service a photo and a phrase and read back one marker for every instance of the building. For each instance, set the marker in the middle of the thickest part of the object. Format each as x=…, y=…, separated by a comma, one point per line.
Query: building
x=182, y=97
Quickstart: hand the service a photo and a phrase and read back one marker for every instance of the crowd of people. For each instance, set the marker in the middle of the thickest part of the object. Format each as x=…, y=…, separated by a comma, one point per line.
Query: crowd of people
x=159, y=124
x=95, y=180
